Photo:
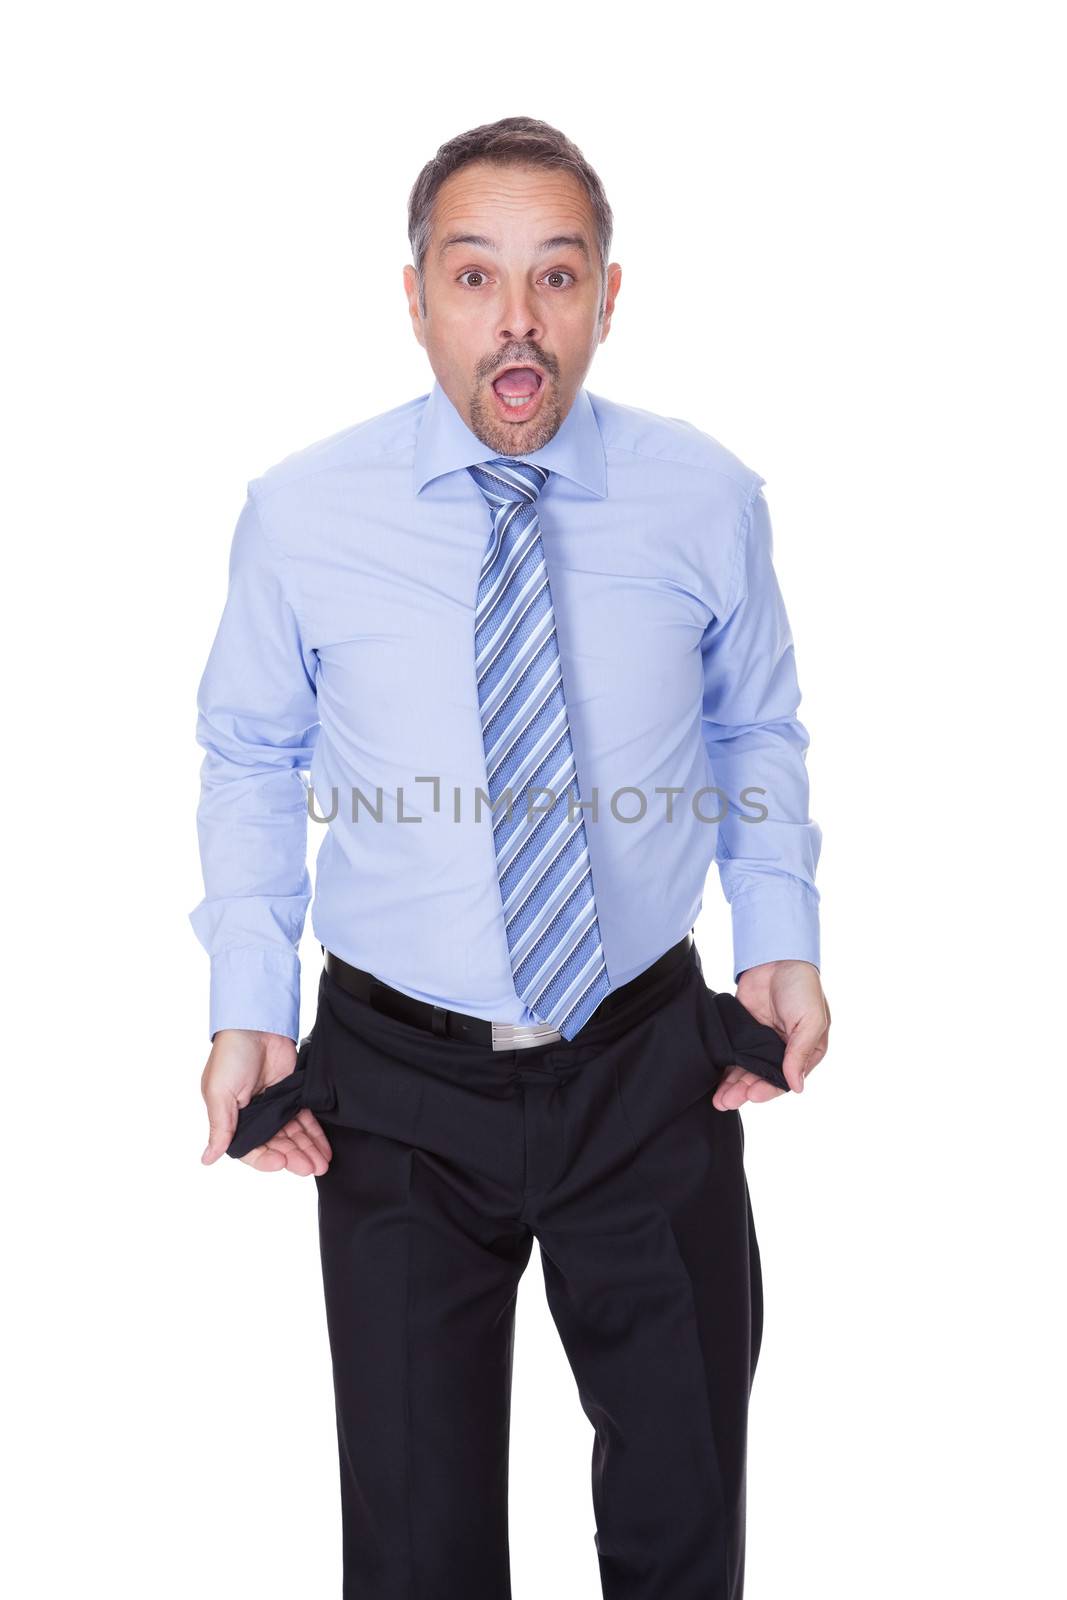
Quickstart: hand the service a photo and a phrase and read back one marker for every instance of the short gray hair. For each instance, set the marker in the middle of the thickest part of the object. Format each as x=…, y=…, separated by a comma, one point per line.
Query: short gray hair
x=512, y=141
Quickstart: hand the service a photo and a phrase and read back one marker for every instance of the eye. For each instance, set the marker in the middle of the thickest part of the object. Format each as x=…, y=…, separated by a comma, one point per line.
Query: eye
x=476, y=272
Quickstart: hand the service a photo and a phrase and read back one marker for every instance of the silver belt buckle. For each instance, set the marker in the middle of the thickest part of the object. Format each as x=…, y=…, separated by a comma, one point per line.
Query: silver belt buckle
x=519, y=1035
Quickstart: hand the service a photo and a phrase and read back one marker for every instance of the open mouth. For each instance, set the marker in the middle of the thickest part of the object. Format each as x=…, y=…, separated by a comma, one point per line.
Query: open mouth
x=517, y=390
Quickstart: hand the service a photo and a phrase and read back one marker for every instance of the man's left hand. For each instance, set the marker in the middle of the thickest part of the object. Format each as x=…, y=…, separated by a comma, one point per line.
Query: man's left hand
x=788, y=997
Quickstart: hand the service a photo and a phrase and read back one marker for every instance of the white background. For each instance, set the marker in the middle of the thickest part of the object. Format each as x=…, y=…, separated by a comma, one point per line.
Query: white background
x=838, y=232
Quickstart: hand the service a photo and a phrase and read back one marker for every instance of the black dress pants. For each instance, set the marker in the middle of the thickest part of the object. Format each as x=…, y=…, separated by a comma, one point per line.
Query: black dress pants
x=448, y=1160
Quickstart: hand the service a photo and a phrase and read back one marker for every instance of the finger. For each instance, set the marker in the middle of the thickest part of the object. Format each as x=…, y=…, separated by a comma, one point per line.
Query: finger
x=730, y=1076
x=264, y=1159
x=733, y=1090
x=297, y=1160
x=314, y=1127
x=279, y=1154
x=762, y=1090
x=799, y=1050
x=735, y=1094
x=222, y=1123
x=302, y=1141
x=282, y=1153
x=816, y=1056
x=739, y=1085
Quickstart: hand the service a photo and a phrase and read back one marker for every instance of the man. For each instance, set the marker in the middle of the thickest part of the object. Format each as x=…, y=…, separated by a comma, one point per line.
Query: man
x=529, y=644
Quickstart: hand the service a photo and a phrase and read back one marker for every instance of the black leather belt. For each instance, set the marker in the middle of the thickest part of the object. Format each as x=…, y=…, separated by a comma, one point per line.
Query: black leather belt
x=479, y=1030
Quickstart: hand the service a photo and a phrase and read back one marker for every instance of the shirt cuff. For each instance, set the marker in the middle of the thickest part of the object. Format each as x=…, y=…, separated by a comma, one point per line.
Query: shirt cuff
x=255, y=988
x=775, y=920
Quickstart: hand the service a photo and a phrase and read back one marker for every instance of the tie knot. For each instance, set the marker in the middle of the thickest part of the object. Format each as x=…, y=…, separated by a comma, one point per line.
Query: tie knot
x=507, y=480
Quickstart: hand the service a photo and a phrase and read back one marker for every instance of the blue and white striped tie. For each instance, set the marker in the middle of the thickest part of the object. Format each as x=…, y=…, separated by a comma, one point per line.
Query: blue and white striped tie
x=546, y=883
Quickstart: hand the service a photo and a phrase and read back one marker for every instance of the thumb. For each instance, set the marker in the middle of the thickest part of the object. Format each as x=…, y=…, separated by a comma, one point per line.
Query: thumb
x=222, y=1124
x=798, y=1053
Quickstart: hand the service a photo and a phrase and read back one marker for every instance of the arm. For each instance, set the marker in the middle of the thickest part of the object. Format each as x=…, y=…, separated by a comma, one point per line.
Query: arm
x=257, y=723
x=755, y=742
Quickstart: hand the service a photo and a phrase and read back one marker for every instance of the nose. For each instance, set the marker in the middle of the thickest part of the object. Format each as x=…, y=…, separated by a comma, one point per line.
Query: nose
x=518, y=324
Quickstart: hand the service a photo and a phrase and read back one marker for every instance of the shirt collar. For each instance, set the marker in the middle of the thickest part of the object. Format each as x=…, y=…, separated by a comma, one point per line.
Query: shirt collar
x=444, y=443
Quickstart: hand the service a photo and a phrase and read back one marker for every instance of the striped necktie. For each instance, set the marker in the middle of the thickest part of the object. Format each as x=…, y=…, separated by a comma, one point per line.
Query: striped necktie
x=546, y=883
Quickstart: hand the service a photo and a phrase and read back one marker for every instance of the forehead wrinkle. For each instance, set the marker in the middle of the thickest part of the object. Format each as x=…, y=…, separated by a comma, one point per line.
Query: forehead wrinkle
x=478, y=241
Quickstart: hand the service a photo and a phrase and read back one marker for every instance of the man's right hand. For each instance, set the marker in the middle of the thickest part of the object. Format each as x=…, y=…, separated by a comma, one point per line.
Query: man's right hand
x=243, y=1063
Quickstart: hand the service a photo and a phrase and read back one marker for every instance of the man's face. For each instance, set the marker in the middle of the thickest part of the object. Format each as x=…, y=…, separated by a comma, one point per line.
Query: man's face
x=512, y=280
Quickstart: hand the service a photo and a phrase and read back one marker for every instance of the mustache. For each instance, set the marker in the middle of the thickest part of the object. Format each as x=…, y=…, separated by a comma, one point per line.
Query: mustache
x=546, y=366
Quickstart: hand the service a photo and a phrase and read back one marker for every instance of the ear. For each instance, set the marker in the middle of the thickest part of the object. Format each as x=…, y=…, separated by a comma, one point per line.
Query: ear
x=411, y=290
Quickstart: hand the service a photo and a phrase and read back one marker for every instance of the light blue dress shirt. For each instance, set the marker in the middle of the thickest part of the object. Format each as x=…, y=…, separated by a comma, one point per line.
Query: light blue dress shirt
x=345, y=650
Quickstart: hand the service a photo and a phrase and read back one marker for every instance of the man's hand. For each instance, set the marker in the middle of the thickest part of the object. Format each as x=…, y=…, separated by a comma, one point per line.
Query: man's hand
x=242, y=1063
x=788, y=997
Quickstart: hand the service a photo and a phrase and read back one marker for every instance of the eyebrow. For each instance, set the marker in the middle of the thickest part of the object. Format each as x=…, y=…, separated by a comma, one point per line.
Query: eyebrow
x=478, y=241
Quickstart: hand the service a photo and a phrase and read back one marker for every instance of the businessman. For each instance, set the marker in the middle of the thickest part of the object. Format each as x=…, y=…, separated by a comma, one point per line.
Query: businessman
x=529, y=647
